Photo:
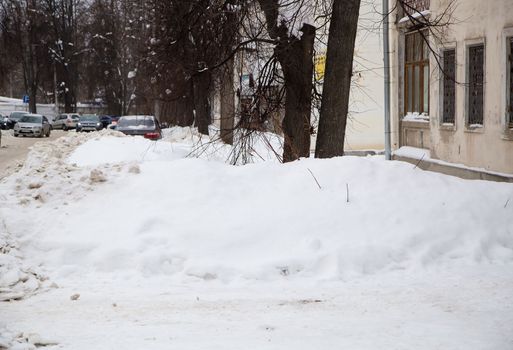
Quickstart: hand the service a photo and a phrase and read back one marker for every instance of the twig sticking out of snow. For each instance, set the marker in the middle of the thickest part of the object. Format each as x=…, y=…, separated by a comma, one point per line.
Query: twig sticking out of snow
x=347, y=193
x=420, y=160
x=317, y=182
x=505, y=205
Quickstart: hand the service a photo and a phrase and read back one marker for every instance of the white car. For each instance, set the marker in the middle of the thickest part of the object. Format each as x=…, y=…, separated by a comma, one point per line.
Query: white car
x=66, y=121
x=32, y=125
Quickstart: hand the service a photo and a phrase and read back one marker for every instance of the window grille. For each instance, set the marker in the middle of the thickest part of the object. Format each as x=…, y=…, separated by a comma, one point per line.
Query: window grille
x=475, y=84
x=510, y=84
x=412, y=6
x=416, y=73
x=449, y=86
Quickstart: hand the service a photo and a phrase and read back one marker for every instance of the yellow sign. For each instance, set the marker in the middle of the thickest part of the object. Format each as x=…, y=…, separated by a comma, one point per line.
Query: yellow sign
x=320, y=65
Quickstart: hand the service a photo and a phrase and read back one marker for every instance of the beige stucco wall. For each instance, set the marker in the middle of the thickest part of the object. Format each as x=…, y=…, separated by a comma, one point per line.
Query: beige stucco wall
x=365, y=125
x=474, y=21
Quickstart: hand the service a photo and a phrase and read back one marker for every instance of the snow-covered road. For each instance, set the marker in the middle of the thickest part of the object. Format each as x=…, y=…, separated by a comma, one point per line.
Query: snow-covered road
x=438, y=310
x=14, y=149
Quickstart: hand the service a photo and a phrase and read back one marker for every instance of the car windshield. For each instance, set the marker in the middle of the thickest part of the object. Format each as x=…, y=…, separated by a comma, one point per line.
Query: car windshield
x=31, y=119
x=75, y=117
x=142, y=122
x=89, y=118
x=17, y=115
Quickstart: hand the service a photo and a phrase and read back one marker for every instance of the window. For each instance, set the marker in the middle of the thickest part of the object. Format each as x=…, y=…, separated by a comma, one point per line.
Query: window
x=449, y=86
x=416, y=73
x=475, y=94
x=509, y=94
x=413, y=6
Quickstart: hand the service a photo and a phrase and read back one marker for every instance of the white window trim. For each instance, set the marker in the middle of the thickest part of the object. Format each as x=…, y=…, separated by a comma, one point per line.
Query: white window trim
x=468, y=44
x=441, y=124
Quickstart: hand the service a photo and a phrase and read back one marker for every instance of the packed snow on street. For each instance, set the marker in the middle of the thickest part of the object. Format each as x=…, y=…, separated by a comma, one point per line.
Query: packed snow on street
x=116, y=242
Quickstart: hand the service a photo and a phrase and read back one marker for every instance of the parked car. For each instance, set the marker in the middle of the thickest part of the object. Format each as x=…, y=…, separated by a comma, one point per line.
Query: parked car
x=106, y=120
x=32, y=125
x=89, y=122
x=142, y=125
x=66, y=121
x=5, y=122
x=8, y=122
x=114, y=119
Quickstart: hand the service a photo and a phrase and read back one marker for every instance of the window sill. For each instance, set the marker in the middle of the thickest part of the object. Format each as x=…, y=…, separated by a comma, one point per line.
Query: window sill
x=448, y=127
x=475, y=130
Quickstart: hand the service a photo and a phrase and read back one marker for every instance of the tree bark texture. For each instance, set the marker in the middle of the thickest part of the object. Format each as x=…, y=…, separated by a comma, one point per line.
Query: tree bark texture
x=337, y=80
x=201, y=90
x=227, y=103
x=296, y=59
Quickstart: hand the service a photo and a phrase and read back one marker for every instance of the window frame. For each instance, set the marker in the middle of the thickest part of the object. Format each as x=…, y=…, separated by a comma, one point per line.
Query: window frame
x=507, y=101
x=468, y=45
x=422, y=64
x=441, y=99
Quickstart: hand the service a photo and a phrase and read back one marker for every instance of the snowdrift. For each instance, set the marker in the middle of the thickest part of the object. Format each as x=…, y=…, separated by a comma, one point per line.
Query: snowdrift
x=126, y=207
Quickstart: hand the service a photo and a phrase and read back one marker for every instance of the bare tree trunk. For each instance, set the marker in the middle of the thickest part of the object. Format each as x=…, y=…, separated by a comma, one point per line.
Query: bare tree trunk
x=31, y=76
x=296, y=59
x=201, y=88
x=33, y=98
x=227, y=103
x=337, y=81
x=297, y=64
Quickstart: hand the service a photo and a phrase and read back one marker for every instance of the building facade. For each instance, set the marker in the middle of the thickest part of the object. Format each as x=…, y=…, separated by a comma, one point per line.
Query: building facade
x=452, y=81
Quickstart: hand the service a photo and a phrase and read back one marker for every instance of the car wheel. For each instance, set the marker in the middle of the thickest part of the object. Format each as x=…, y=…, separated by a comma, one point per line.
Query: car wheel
x=65, y=128
x=15, y=135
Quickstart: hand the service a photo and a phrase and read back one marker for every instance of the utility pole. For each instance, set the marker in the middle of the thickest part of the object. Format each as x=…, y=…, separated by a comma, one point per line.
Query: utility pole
x=386, y=59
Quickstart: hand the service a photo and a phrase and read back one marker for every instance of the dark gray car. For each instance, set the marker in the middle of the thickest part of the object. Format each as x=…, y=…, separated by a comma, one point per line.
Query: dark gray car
x=141, y=125
x=89, y=122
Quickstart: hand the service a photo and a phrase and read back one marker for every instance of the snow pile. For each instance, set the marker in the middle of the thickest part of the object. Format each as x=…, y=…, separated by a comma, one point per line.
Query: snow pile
x=17, y=277
x=46, y=173
x=157, y=248
x=192, y=219
x=22, y=341
x=248, y=147
x=177, y=143
x=413, y=152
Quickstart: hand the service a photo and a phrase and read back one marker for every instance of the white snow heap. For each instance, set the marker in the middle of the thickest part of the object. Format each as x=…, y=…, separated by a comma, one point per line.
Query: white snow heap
x=17, y=277
x=354, y=243
x=290, y=236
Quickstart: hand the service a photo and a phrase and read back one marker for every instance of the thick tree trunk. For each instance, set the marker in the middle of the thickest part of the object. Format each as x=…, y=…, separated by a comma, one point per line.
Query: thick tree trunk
x=297, y=63
x=68, y=98
x=201, y=86
x=337, y=80
x=186, y=111
x=227, y=103
x=31, y=82
x=33, y=99
x=296, y=59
